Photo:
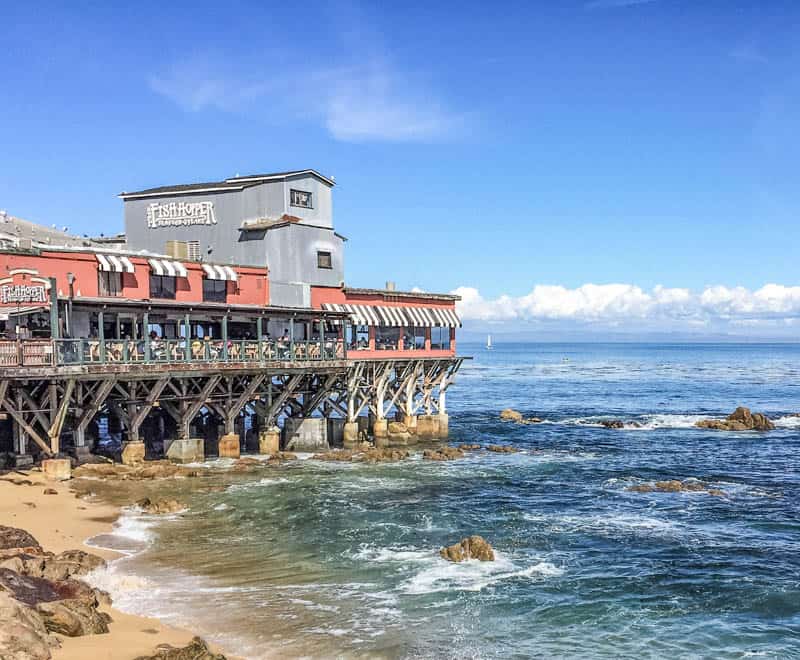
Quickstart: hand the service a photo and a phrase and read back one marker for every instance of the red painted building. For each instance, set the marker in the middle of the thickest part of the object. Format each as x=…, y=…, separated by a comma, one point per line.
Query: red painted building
x=122, y=284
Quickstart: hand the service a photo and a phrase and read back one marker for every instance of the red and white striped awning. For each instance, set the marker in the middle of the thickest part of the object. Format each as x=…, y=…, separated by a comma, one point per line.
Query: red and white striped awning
x=168, y=267
x=114, y=263
x=220, y=273
x=421, y=317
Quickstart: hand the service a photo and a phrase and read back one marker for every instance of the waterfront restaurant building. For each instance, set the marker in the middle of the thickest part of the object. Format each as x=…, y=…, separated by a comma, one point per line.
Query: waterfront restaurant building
x=235, y=284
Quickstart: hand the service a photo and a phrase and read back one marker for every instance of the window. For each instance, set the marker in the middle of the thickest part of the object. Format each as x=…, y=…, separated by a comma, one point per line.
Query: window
x=386, y=338
x=215, y=291
x=162, y=286
x=108, y=283
x=357, y=337
x=414, y=339
x=324, y=260
x=440, y=339
x=300, y=198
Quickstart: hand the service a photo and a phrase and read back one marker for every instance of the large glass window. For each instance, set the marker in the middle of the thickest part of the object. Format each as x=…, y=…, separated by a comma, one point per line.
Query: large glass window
x=414, y=339
x=440, y=339
x=215, y=291
x=162, y=286
x=386, y=338
x=108, y=283
x=357, y=337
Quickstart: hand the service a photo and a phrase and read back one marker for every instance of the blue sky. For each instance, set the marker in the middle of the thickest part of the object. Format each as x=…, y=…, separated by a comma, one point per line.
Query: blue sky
x=561, y=145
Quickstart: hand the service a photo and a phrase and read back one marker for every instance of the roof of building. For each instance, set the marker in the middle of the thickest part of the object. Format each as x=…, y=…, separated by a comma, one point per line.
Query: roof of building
x=233, y=183
x=15, y=232
x=401, y=294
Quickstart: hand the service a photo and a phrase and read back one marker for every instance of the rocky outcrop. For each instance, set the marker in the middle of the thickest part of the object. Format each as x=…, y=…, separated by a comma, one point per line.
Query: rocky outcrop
x=73, y=617
x=336, y=455
x=472, y=547
x=464, y=446
x=502, y=449
x=676, y=486
x=39, y=596
x=740, y=419
x=612, y=423
x=13, y=538
x=247, y=464
x=160, y=506
x=366, y=455
x=144, y=471
x=511, y=415
x=280, y=457
x=442, y=454
x=23, y=634
x=49, y=566
x=383, y=455
x=197, y=649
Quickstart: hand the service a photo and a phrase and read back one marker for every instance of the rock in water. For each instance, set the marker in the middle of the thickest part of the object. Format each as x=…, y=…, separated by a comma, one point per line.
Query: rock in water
x=472, y=547
x=197, y=649
x=740, y=419
x=676, y=486
x=502, y=449
x=465, y=446
x=613, y=424
x=164, y=505
x=442, y=454
x=511, y=415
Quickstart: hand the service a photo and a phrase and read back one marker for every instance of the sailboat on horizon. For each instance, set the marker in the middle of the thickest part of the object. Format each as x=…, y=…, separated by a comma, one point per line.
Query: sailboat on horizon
x=488, y=342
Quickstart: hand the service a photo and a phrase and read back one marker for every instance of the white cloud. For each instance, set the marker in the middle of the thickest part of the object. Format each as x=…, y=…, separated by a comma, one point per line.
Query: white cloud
x=659, y=308
x=373, y=101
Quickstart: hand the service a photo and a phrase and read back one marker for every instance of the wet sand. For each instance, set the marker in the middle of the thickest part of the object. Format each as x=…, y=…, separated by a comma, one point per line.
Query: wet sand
x=64, y=522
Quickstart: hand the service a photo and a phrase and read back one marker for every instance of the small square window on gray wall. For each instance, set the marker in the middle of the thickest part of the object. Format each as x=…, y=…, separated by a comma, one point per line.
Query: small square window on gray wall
x=324, y=260
x=300, y=198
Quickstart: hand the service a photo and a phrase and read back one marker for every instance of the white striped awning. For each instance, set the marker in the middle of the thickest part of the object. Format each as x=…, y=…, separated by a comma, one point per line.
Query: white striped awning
x=220, y=273
x=114, y=263
x=385, y=315
x=168, y=267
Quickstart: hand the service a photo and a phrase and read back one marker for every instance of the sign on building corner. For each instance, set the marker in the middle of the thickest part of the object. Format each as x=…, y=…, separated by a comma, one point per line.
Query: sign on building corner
x=180, y=214
x=22, y=293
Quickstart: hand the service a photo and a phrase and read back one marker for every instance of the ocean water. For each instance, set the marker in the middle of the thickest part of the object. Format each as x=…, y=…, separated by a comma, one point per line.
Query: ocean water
x=341, y=560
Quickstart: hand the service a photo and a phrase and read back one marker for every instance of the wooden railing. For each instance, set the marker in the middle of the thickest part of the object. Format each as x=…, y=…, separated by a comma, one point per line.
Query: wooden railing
x=66, y=352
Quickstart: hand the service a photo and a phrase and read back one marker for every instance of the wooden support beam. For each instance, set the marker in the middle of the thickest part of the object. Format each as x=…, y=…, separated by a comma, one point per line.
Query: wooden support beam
x=139, y=416
x=247, y=395
x=279, y=401
x=61, y=414
x=191, y=411
x=98, y=399
x=320, y=395
x=44, y=420
x=19, y=418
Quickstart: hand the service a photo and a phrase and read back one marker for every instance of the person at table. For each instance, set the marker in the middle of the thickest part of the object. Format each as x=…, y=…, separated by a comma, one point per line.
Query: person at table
x=155, y=343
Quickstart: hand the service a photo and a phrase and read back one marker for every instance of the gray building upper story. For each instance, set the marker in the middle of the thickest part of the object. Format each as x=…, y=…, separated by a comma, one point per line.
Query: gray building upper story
x=282, y=220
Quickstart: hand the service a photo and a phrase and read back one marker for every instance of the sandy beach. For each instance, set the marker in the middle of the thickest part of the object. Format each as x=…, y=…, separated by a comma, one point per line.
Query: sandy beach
x=64, y=522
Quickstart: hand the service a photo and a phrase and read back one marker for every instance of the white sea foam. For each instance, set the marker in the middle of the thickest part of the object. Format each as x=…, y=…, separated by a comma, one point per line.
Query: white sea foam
x=787, y=422
x=131, y=533
x=221, y=507
x=638, y=423
x=608, y=524
x=472, y=575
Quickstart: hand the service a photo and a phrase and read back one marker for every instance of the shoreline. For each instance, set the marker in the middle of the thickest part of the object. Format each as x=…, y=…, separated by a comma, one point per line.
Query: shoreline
x=65, y=521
